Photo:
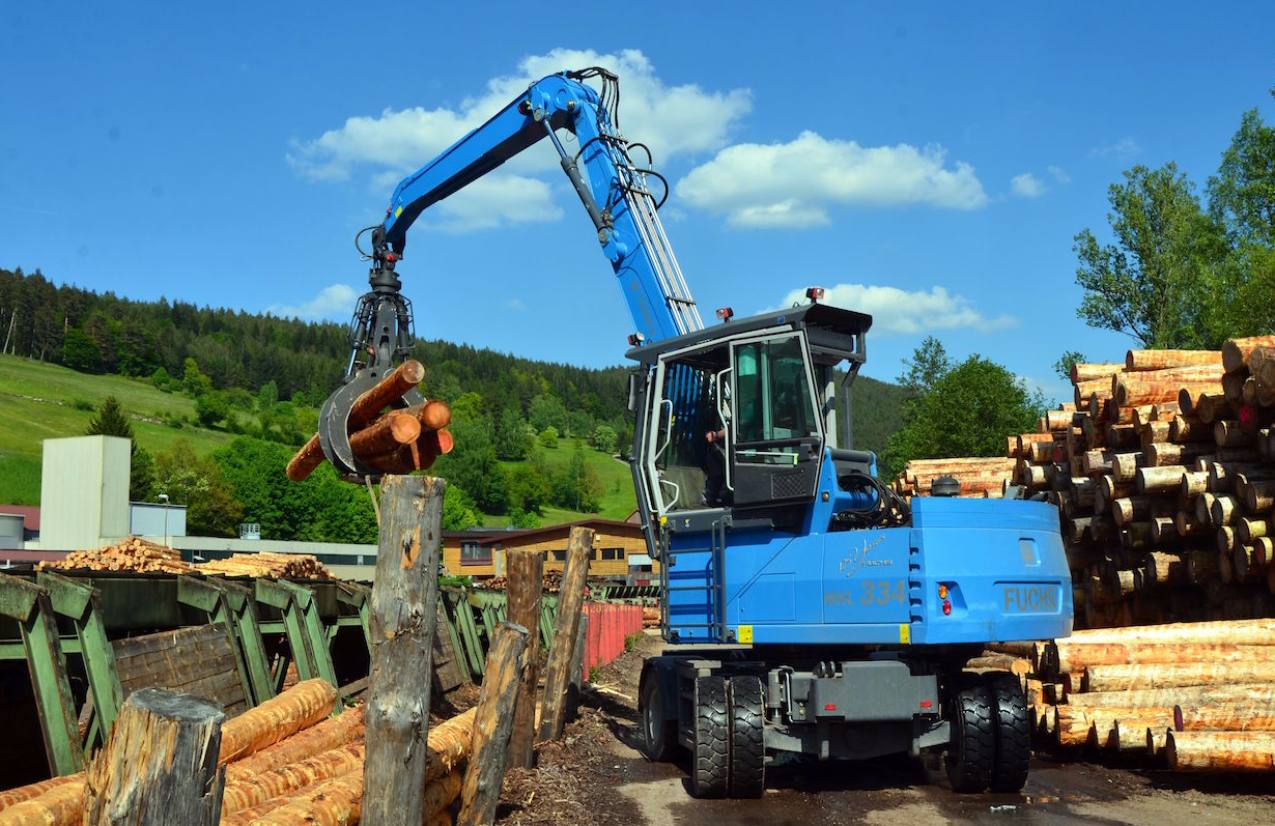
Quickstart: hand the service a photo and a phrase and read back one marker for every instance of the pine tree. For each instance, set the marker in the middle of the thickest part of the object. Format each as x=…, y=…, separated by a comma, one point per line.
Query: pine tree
x=110, y=421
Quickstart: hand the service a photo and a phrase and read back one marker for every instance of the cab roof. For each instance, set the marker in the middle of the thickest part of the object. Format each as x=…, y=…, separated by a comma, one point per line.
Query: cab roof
x=822, y=317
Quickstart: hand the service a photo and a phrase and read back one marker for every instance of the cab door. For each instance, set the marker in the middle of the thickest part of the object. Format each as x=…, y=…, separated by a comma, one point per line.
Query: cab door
x=776, y=431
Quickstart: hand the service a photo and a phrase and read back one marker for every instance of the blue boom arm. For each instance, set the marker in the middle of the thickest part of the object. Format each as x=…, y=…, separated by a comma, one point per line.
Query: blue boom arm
x=613, y=190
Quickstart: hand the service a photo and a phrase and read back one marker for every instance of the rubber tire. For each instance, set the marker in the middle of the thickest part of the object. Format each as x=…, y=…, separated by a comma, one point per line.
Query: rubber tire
x=747, y=737
x=1013, y=734
x=659, y=735
x=710, y=762
x=972, y=751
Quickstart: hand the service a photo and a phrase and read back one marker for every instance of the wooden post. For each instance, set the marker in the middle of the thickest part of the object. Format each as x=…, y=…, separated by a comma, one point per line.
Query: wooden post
x=570, y=602
x=159, y=765
x=480, y=793
x=404, y=614
x=526, y=582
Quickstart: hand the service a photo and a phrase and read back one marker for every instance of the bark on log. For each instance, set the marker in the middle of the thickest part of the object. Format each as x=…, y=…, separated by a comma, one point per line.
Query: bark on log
x=404, y=612
x=1155, y=675
x=1208, y=751
x=1245, y=632
x=1131, y=392
x=570, y=602
x=247, y=791
x=30, y=791
x=159, y=764
x=335, y=802
x=480, y=792
x=1159, y=479
x=526, y=577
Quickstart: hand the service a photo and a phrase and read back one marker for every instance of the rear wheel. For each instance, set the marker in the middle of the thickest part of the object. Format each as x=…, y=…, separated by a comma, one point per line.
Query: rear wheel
x=659, y=735
x=1013, y=734
x=710, y=762
x=972, y=751
x=747, y=739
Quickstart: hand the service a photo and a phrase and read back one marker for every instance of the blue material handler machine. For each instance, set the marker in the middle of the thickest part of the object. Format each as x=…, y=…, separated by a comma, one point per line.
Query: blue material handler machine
x=808, y=610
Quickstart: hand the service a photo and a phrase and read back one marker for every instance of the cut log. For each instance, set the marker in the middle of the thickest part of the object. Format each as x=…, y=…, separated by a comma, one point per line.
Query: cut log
x=1143, y=360
x=1208, y=751
x=59, y=805
x=1235, y=352
x=1066, y=655
x=301, y=706
x=1159, y=479
x=480, y=790
x=1151, y=676
x=332, y=733
x=1254, y=694
x=387, y=433
x=1224, y=718
x=1081, y=372
x=403, y=611
x=159, y=764
x=252, y=790
x=384, y=393
x=1245, y=632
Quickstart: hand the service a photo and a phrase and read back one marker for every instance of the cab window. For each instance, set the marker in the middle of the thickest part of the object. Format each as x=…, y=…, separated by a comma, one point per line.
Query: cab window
x=773, y=401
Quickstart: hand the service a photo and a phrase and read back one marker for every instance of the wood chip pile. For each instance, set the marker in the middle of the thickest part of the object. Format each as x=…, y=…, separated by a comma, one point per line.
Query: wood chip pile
x=1163, y=471
x=288, y=763
x=1192, y=697
x=133, y=555
x=272, y=565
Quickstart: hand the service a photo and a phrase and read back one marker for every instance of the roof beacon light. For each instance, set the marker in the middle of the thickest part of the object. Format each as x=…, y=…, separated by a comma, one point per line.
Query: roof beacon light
x=725, y=314
x=636, y=339
x=815, y=294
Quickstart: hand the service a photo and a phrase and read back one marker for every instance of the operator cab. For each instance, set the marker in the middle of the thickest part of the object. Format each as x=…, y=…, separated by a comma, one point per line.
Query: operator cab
x=736, y=418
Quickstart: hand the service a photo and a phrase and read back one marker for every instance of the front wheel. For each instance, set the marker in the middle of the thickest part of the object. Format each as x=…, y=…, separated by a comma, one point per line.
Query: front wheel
x=659, y=735
x=972, y=751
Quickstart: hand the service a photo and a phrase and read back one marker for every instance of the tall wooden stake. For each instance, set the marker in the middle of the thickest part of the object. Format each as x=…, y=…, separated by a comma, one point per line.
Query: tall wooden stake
x=493, y=722
x=404, y=613
x=159, y=765
x=526, y=581
x=570, y=601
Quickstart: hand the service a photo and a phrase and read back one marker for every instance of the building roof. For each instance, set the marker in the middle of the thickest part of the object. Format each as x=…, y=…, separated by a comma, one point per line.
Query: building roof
x=487, y=536
x=30, y=515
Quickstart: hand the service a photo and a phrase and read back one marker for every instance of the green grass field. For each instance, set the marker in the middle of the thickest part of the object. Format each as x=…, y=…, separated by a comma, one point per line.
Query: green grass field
x=40, y=401
x=617, y=498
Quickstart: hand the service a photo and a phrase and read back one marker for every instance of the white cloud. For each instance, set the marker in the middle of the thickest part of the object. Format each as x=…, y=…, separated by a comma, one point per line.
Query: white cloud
x=908, y=312
x=792, y=184
x=671, y=119
x=1027, y=185
x=1126, y=147
x=333, y=301
x=515, y=304
x=1059, y=174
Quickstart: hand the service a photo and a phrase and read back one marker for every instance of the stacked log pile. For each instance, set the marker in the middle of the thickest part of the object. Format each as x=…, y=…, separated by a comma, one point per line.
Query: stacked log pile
x=979, y=477
x=1193, y=697
x=394, y=440
x=265, y=564
x=288, y=763
x=133, y=555
x=552, y=583
x=1163, y=471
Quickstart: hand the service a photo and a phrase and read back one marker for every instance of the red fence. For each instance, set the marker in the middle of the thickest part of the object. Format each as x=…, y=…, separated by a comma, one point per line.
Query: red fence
x=609, y=625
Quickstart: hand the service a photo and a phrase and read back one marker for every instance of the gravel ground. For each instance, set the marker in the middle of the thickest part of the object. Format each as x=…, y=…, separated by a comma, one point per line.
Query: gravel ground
x=596, y=775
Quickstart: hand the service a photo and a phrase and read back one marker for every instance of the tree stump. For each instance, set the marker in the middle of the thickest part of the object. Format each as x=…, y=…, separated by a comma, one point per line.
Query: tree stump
x=159, y=765
x=404, y=614
x=480, y=793
x=526, y=582
x=570, y=601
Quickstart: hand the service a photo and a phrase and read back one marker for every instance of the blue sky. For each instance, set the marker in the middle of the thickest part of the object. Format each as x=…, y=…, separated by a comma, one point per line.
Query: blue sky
x=935, y=162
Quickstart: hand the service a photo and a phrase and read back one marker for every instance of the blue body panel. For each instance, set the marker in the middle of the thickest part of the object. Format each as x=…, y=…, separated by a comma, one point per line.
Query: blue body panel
x=1002, y=563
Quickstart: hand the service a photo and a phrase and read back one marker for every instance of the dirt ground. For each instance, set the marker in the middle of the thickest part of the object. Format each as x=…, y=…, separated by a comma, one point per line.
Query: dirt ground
x=597, y=775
